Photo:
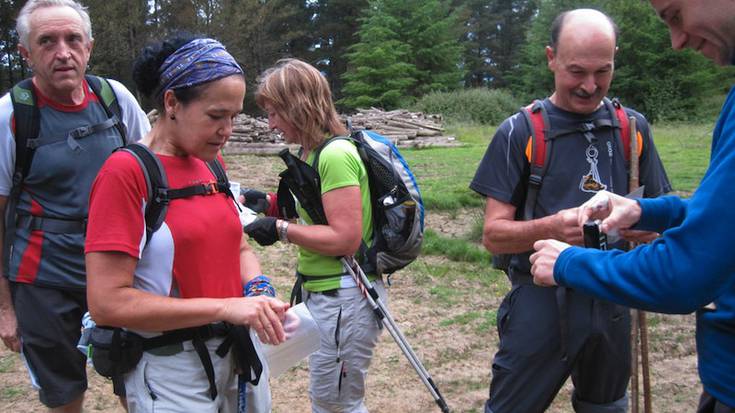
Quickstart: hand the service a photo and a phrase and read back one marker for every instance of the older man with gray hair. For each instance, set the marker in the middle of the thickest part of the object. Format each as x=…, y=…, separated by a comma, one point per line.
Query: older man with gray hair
x=56, y=130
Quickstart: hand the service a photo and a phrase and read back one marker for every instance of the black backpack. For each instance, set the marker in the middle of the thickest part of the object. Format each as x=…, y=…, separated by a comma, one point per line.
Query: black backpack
x=398, y=209
x=159, y=193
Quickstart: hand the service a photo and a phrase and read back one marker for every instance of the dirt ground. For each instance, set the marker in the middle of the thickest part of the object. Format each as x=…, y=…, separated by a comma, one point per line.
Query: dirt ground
x=445, y=309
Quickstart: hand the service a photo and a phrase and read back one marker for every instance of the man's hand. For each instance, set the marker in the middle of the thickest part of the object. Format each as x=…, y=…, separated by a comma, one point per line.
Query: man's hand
x=9, y=328
x=263, y=230
x=567, y=228
x=615, y=211
x=544, y=259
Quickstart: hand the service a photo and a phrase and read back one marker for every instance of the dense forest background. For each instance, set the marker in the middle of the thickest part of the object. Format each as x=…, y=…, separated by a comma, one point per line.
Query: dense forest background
x=390, y=53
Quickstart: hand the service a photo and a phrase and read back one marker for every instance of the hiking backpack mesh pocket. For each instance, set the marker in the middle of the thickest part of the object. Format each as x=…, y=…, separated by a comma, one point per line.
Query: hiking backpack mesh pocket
x=398, y=210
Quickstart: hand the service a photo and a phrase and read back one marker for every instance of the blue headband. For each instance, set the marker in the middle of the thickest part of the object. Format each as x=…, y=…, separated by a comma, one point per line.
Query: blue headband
x=196, y=62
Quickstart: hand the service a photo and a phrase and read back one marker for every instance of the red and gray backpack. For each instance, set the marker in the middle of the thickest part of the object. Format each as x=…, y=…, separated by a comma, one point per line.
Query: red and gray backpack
x=27, y=120
x=540, y=145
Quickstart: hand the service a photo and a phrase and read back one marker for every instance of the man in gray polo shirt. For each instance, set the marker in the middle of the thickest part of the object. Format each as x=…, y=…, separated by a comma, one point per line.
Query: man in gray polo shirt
x=45, y=272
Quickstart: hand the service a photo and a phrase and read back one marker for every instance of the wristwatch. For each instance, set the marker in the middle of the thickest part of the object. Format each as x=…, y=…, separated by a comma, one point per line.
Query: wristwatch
x=283, y=231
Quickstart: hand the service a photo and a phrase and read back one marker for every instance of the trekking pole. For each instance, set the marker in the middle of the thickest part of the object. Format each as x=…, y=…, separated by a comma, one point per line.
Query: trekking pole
x=382, y=313
x=639, y=326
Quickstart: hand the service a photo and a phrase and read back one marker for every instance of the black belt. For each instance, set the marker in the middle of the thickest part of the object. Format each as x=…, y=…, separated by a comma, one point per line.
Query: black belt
x=245, y=354
x=52, y=225
x=296, y=296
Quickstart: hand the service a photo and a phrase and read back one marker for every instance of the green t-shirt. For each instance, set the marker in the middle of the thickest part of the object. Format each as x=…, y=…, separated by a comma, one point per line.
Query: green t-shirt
x=339, y=166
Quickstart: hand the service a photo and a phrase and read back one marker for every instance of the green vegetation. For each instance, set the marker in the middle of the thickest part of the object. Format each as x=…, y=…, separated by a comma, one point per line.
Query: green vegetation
x=480, y=320
x=684, y=149
x=456, y=249
x=7, y=363
x=478, y=105
x=406, y=48
x=11, y=393
x=445, y=173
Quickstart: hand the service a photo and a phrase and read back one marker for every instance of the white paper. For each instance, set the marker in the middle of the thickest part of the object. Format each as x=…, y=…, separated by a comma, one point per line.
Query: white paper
x=302, y=339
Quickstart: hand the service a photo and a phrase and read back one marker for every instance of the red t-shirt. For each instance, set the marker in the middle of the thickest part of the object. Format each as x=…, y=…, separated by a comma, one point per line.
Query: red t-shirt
x=195, y=253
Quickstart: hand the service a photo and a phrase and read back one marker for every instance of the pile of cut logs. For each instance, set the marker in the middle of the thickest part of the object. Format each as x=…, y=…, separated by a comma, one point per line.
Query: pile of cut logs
x=406, y=129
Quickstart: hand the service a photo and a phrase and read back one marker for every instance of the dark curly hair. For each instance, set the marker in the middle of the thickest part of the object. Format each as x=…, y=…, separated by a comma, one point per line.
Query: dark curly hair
x=145, y=69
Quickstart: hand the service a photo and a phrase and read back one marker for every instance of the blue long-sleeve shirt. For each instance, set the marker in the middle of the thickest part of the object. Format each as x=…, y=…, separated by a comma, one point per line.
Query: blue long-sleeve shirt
x=691, y=265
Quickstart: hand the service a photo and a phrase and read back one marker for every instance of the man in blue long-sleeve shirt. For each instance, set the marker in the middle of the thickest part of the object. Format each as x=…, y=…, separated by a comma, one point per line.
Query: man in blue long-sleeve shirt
x=692, y=266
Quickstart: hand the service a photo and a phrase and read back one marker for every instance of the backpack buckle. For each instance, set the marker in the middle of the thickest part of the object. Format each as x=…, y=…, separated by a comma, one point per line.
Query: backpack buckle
x=17, y=179
x=211, y=188
x=161, y=196
x=80, y=132
x=587, y=127
x=535, y=180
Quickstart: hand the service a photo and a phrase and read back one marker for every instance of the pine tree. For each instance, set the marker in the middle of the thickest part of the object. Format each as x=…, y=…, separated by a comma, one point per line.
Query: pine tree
x=406, y=49
x=12, y=66
x=331, y=33
x=494, y=32
x=119, y=34
x=258, y=33
x=380, y=74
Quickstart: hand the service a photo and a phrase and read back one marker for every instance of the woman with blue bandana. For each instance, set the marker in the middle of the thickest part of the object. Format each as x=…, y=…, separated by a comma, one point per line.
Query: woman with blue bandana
x=181, y=286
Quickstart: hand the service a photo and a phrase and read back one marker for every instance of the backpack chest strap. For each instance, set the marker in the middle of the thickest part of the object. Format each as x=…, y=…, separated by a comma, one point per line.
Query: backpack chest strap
x=209, y=188
x=77, y=133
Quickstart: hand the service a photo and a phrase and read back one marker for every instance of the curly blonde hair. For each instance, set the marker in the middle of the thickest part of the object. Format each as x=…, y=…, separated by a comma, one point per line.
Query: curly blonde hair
x=302, y=97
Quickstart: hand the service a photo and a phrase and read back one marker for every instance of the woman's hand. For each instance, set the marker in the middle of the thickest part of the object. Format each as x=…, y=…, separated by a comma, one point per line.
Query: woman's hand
x=263, y=231
x=264, y=314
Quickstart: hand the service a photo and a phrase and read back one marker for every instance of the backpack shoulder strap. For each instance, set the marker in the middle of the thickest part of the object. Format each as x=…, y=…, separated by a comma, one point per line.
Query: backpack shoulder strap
x=223, y=183
x=157, y=184
x=320, y=148
x=621, y=124
x=540, y=151
x=27, y=120
x=102, y=88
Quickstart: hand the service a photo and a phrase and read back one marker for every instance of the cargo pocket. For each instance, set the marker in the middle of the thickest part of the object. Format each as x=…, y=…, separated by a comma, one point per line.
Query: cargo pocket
x=504, y=310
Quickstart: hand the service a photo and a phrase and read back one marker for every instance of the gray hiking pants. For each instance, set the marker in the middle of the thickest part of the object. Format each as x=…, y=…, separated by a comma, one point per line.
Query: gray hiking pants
x=178, y=382
x=349, y=332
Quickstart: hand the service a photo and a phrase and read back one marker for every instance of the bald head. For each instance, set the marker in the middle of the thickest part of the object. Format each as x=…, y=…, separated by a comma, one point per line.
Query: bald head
x=582, y=57
x=582, y=21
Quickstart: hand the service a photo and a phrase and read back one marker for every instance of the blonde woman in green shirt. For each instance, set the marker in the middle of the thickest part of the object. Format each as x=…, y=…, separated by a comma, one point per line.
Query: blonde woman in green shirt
x=299, y=104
